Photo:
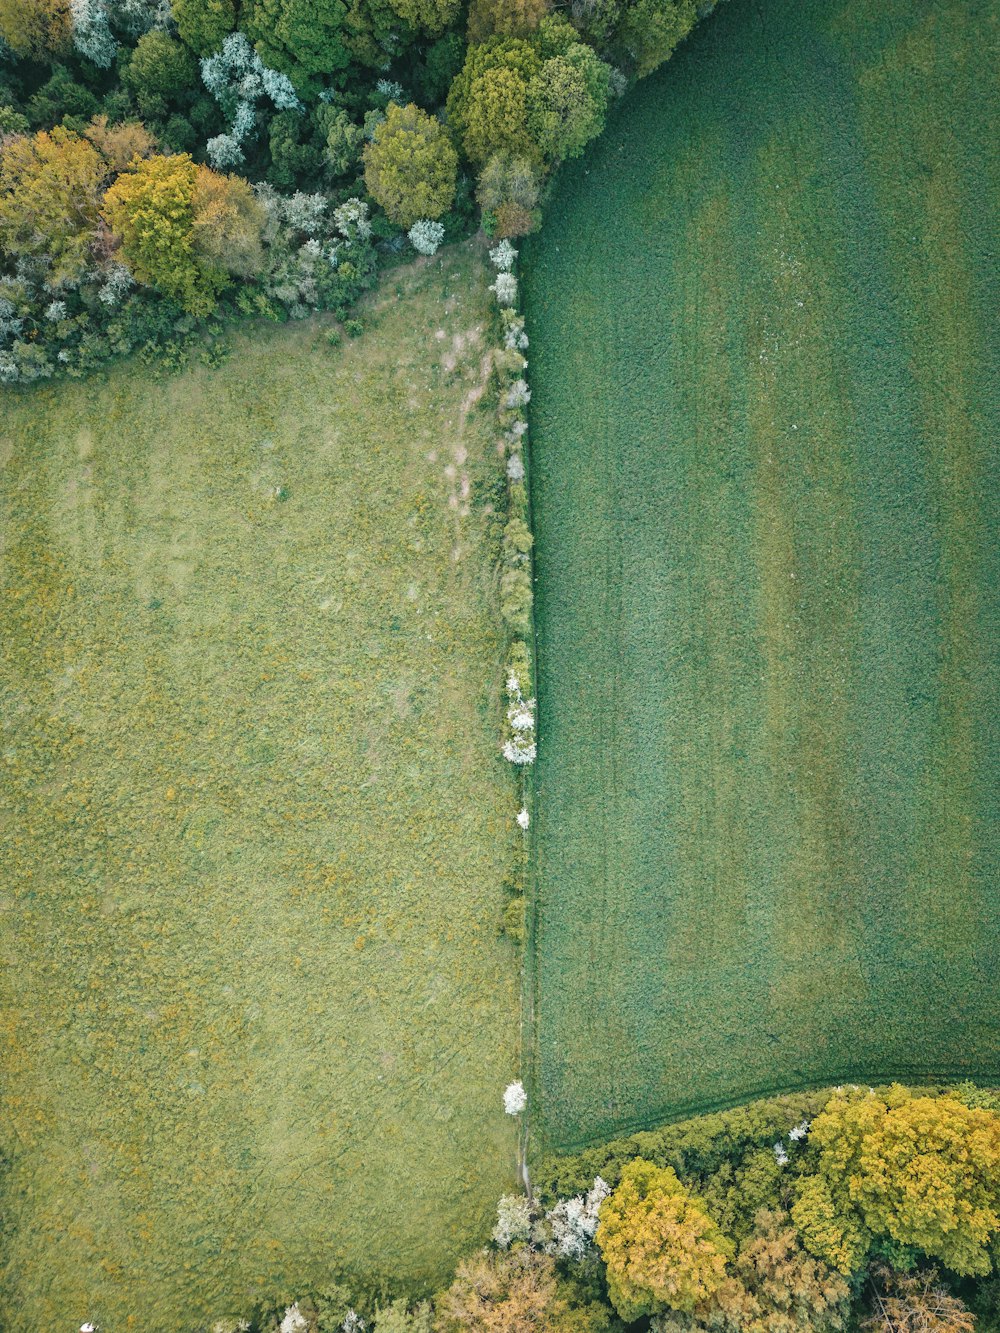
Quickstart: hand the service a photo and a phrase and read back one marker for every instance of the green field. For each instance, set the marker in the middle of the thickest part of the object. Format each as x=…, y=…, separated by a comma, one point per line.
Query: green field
x=765, y=414
x=256, y=1013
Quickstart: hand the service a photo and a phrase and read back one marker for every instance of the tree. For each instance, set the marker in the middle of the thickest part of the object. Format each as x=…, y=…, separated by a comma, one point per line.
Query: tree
x=50, y=188
x=567, y=102
x=302, y=38
x=411, y=166
x=923, y=1171
x=512, y=1292
x=661, y=1248
x=344, y=139
x=119, y=144
x=432, y=16
x=508, y=188
x=498, y=53
x=151, y=210
x=202, y=24
x=160, y=70
x=650, y=30
x=915, y=1303
x=35, y=28
x=227, y=222
x=506, y=18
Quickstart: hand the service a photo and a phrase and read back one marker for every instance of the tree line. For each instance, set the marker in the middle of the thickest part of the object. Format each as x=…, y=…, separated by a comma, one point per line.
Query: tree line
x=159, y=157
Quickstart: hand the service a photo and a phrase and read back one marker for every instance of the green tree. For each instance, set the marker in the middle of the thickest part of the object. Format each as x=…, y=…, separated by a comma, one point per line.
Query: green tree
x=567, y=102
x=61, y=98
x=411, y=166
x=151, y=210
x=50, y=190
x=344, y=140
x=650, y=30
x=498, y=53
x=922, y=1171
x=431, y=16
x=35, y=28
x=160, y=71
x=294, y=155
x=497, y=116
x=202, y=24
x=661, y=1248
x=303, y=38
x=505, y=18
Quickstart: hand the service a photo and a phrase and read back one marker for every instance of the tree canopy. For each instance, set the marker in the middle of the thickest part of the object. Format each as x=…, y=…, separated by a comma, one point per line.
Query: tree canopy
x=662, y=1249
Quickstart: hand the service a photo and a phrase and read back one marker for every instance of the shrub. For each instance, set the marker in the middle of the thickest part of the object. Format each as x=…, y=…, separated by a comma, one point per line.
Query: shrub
x=661, y=1248
x=426, y=236
x=411, y=166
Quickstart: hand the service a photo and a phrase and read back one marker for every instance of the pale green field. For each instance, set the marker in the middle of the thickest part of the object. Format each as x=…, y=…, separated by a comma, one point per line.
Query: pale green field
x=256, y=1014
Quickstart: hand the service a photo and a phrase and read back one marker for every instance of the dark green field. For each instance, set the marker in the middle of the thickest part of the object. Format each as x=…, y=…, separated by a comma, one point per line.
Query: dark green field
x=256, y=1013
x=765, y=414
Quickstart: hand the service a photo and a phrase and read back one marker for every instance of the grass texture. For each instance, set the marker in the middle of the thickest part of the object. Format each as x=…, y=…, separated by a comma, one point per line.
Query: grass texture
x=257, y=1016
x=766, y=401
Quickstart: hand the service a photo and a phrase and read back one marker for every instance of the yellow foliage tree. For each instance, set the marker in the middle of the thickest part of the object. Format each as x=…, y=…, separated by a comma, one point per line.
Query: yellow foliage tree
x=50, y=189
x=924, y=1171
x=661, y=1248
x=119, y=144
x=151, y=210
x=35, y=28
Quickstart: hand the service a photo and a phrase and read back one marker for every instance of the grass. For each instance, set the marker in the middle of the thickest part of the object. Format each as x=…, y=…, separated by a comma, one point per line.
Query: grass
x=257, y=1016
x=765, y=408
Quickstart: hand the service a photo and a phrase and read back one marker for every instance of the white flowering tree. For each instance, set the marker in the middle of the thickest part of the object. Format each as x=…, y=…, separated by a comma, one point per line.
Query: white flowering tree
x=513, y=1220
x=519, y=747
x=515, y=1099
x=573, y=1222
